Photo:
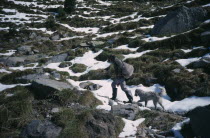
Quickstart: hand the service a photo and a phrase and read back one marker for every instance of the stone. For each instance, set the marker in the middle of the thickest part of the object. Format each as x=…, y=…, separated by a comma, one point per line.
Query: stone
x=176, y=70
x=12, y=61
x=55, y=37
x=128, y=111
x=65, y=64
x=96, y=43
x=56, y=75
x=205, y=36
x=200, y=121
x=58, y=58
x=90, y=86
x=42, y=129
x=44, y=88
x=24, y=50
x=84, y=45
x=32, y=35
x=180, y=20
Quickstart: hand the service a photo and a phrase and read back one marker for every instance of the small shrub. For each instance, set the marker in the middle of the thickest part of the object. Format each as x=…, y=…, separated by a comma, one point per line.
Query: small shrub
x=78, y=68
x=135, y=43
x=69, y=6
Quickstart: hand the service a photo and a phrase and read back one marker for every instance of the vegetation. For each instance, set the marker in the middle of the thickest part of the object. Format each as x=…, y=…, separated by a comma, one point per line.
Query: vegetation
x=69, y=6
x=77, y=68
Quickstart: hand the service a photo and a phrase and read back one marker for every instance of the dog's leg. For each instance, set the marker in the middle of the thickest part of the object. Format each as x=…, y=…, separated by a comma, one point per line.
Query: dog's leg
x=160, y=103
x=145, y=103
x=155, y=104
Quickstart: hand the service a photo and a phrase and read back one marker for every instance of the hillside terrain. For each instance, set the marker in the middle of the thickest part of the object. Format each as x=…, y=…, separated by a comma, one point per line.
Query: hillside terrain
x=55, y=80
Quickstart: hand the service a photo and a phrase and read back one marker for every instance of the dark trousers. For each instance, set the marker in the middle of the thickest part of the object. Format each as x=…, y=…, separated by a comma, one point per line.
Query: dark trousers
x=122, y=83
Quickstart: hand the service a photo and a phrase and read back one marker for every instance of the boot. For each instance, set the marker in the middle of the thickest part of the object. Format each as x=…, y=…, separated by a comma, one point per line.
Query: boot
x=114, y=93
x=129, y=101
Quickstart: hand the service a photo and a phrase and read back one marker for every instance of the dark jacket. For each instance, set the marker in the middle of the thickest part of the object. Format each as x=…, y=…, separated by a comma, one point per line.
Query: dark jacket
x=118, y=64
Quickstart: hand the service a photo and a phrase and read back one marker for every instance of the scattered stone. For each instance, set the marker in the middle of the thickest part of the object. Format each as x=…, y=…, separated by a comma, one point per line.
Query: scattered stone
x=96, y=43
x=128, y=111
x=65, y=64
x=176, y=70
x=56, y=75
x=181, y=20
x=90, y=86
x=43, y=129
x=55, y=110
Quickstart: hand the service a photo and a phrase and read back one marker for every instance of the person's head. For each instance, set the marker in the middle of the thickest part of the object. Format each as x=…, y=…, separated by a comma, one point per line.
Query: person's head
x=111, y=59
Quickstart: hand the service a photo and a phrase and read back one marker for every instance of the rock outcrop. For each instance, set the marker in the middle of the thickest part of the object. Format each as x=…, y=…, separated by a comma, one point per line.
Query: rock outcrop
x=43, y=129
x=181, y=20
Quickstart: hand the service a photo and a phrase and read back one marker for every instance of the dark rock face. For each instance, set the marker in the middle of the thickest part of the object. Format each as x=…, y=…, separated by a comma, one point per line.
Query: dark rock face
x=181, y=20
x=205, y=36
x=127, y=111
x=89, y=86
x=200, y=120
x=104, y=125
x=44, y=88
x=43, y=129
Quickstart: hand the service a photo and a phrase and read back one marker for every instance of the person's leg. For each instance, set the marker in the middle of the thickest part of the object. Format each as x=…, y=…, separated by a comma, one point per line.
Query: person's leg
x=127, y=92
x=114, y=89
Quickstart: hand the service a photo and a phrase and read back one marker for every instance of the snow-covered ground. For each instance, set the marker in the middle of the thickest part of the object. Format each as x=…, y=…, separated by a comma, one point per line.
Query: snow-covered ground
x=9, y=53
x=185, y=62
x=4, y=87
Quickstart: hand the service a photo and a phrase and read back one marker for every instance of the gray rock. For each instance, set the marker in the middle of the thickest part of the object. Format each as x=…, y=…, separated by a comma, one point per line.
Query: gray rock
x=205, y=36
x=176, y=70
x=12, y=61
x=33, y=35
x=128, y=111
x=55, y=37
x=84, y=45
x=44, y=88
x=58, y=58
x=24, y=50
x=42, y=129
x=56, y=75
x=65, y=64
x=200, y=120
x=32, y=77
x=181, y=20
x=96, y=43
x=90, y=86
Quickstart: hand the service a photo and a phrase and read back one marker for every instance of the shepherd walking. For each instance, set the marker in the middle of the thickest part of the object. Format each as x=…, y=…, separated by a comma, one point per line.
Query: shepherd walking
x=122, y=71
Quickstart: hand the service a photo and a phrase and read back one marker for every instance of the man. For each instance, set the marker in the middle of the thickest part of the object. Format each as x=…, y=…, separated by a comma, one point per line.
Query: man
x=119, y=80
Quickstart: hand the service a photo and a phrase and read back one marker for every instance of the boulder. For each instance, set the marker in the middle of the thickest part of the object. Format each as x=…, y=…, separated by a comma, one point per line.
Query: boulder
x=128, y=111
x=96, y=43
x=104, y=125
x=90, y=86
x=55, y=37
x=12, y=61
x=181, y=20
x=58, y=58
x=200, y=121
x=205, y=36
x=44, y=88
x=42, y=129
x=56, y=75
x=32, y=77
x=25, y=50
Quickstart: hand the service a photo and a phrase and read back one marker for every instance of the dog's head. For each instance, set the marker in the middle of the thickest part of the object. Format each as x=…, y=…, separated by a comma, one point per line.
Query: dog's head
x=137, y=91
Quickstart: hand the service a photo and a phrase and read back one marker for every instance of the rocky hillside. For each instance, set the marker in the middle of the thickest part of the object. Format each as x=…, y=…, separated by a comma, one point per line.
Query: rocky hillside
x=55, y=80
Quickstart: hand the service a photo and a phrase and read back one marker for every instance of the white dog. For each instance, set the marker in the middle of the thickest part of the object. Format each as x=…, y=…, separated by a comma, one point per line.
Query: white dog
x=146, y=96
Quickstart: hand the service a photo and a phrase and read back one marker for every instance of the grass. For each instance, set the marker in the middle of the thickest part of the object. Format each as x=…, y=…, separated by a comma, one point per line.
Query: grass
x=158, y=120
x=12, y=77
x=78, y=68
x=15, y=111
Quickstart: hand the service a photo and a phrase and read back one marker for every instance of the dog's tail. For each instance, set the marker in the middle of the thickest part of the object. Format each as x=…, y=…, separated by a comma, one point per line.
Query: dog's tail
x=163, y=91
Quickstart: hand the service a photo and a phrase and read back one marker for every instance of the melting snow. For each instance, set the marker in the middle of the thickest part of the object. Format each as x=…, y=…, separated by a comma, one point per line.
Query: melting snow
x=4, y=87
x=185, y=62
x=130, y=128
x=9, y=53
